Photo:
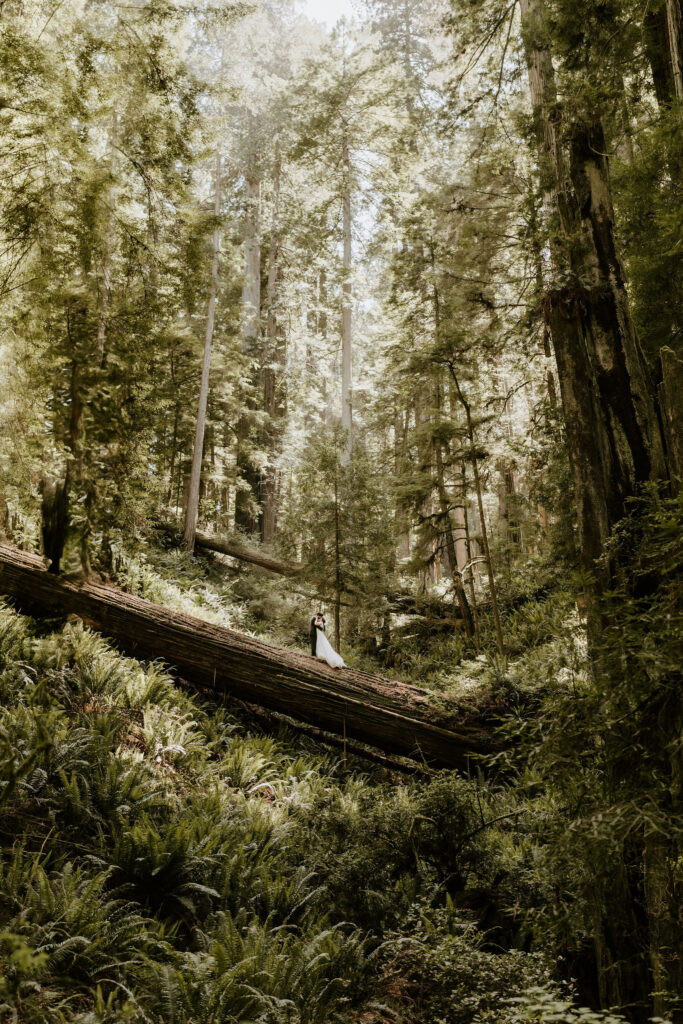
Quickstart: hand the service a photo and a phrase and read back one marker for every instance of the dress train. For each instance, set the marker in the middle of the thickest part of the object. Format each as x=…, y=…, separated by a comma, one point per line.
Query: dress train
x=325, y=650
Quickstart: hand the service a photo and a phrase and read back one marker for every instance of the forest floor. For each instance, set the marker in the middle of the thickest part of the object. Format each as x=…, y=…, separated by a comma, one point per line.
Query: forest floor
x=167, y=860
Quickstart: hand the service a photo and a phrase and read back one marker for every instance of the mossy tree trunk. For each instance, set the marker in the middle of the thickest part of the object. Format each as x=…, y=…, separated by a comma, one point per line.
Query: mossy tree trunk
x=617, y=443
x=192, y=509
x=608, y=397
x=663, y=35
x=275, y=356
x=247, y=497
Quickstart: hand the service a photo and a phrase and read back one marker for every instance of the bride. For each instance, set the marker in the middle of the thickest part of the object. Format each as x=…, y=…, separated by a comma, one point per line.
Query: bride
x=321, y=646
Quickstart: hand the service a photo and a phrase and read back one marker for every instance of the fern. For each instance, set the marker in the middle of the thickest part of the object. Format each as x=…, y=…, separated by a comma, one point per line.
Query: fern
x=172, y=866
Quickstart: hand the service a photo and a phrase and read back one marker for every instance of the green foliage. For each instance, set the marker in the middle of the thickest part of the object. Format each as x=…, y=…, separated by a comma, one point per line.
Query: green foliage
x=649, y=208
x=162, y=860
x=609, y=745
x=543, y=1006
x=452, y=978
x=170, y=866
x=344, y=513
x=68, y=936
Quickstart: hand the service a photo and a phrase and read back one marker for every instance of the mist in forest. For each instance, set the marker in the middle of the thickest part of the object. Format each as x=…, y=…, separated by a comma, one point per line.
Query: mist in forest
x=341, y=449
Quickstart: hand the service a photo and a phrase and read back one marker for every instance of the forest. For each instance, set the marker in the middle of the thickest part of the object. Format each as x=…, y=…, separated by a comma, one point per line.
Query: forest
x=378, y=317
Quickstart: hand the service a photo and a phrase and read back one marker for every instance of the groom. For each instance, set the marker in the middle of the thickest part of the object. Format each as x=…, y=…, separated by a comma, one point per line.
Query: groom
x=317, y=622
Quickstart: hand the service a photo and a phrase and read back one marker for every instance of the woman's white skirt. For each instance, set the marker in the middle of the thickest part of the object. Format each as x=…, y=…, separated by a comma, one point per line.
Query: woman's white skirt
x=325, y=650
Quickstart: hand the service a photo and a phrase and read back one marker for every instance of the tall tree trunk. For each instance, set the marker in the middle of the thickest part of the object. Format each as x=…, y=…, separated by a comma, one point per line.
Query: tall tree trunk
x=666, y=936
x=462, y=541
x=338, y=583
x=663, y=34
x=607, y=395
x=400, y=440
x=482, y=516
x=445, y=506
x=322, y=331
x=274, y=358
x=347, y=300
x=460, y=517
x=508, y=516
x=251, y=292
x=624, y=145
x=192, y=510
x=670, y=389
x=444, y=503
x=105, y=285
x=105, y=280
x=425, y=458
x=174, y=453
x=614, y=431
x=663, y=26
x=247, y=497
x=470, y=559
x=76, y=475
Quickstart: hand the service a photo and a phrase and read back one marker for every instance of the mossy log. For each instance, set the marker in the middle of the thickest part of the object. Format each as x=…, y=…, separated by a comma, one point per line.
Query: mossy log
x=391, y=716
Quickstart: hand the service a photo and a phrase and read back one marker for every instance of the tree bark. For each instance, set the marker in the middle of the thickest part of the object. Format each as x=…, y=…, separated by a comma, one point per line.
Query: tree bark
x=391, y=716
x=401, y=518
x=507, y=490
x=76, y=476
x=444, y=503
x=54, y=519
x=174, y=453
x=607, y=394
x=470, y=561
x=251, y=292
x=347, y=301
x=460, y=516
x=274, y=360
x=482, y=516
x=105, y=280
x=337, y=566
x=663, y=31
x=445, y=507
x=614, y=431
x=192, y=510
x=247, y=496
x=670, y=391
x=666, y=936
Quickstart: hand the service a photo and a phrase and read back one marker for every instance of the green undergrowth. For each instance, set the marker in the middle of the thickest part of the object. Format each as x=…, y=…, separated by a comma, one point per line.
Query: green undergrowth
x=164, y=861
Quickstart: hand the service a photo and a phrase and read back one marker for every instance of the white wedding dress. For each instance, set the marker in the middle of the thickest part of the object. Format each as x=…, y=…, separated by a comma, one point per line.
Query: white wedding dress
x=325, y=650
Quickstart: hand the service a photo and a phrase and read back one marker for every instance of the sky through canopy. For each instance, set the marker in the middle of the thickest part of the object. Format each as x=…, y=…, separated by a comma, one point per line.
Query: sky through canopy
x=329, y=11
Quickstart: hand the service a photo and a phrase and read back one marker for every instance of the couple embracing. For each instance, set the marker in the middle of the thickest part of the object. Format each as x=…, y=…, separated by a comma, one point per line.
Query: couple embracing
x=321, y=646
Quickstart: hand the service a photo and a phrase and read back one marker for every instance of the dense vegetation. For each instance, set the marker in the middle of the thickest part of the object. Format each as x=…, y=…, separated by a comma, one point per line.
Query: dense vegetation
x=398, y=307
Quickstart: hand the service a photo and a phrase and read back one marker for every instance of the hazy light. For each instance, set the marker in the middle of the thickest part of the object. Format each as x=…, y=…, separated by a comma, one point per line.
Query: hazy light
x=329, y=11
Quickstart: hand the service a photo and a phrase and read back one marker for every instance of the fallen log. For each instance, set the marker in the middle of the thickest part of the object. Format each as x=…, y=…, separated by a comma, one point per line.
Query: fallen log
x=391, y=716
x=421, y=626
x=403, y=602
x=255, y=556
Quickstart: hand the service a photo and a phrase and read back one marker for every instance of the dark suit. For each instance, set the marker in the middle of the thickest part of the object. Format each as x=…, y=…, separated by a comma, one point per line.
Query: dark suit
x=314, y=634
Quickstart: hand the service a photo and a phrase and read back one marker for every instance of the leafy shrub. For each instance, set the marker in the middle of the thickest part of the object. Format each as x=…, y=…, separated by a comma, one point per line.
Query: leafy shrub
x=442, y=970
